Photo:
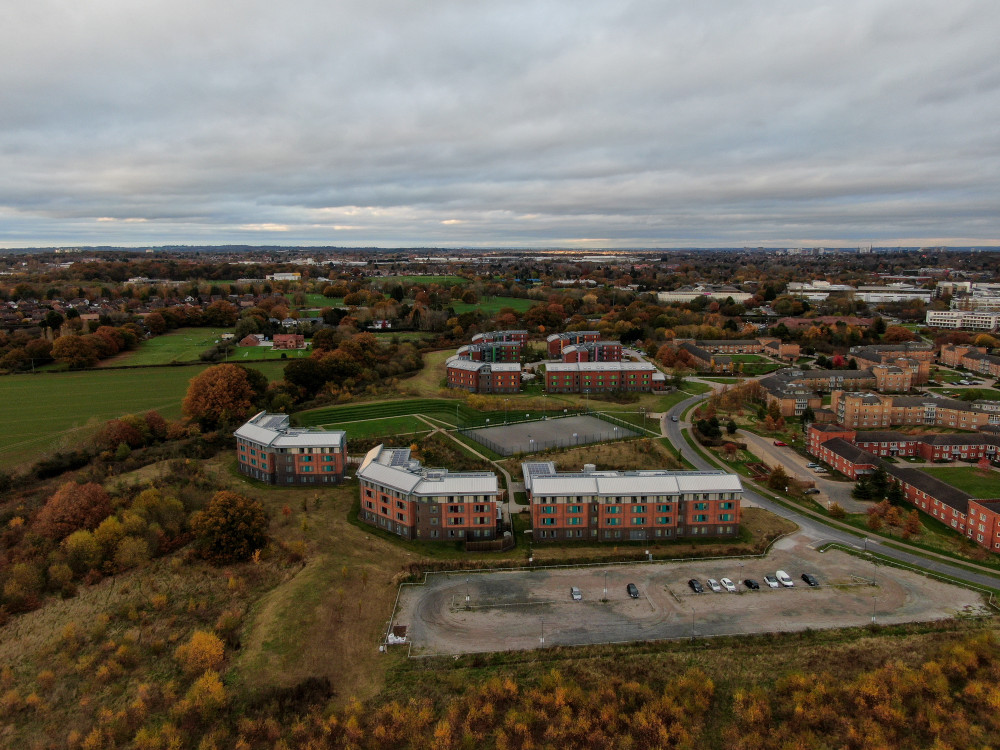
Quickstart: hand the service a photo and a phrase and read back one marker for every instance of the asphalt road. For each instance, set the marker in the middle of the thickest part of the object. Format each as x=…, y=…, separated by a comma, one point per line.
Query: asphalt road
x=814, y=527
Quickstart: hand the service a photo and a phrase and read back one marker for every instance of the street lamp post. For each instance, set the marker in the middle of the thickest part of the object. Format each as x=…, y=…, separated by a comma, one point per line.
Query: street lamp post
x=605, y=585
x=467, y=597
x=874, y=605
x=740, y=579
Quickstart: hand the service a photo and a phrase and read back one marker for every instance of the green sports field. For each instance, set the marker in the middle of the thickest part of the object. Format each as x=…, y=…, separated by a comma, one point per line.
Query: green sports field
x=968, y=479
x=53, y=412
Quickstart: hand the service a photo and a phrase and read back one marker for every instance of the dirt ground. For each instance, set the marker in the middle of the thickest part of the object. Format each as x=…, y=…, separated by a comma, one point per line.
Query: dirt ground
x=532, y=609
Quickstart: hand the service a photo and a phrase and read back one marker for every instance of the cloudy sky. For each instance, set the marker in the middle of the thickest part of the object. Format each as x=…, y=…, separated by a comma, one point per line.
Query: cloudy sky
x=542, y=123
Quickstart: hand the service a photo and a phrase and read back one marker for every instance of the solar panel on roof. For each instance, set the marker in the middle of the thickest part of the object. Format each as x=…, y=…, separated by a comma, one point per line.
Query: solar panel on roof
x=398, y=458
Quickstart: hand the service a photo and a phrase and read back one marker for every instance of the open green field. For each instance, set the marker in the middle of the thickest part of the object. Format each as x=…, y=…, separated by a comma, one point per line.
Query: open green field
x=494, y=305
x=748, y=358
x=387, y=427
x=318, y=301
x=430, y=279
x=182, y=345
x=968, y=479
x=53, y=412
x=987, y=393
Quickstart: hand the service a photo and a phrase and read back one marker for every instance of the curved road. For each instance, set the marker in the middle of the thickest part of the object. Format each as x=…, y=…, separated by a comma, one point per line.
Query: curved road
x=811, y=525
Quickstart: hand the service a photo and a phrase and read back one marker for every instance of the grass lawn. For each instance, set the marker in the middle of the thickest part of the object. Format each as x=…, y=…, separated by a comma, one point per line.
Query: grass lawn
x=494, y=304
x=991, y=394
x=318, y=301
x=53, y=412
x=968, y=479
x=723, y=380
x=182, y=345
x=406, y=425
x=748, y=358
x=430, y=279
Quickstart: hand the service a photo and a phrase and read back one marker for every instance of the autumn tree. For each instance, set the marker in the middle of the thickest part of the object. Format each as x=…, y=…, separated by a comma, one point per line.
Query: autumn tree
x=221, y=394
x=912, y=527
x=72, y=507
x=74, y=351
x=778, y=478
x=230, y=528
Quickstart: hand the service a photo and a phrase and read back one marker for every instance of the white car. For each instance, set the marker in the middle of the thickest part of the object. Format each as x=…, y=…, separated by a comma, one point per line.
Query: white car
x=728, y=585
x=812, y=465
x=575, y=593
x=714, y=585
x=771, y=581
x=785, y=579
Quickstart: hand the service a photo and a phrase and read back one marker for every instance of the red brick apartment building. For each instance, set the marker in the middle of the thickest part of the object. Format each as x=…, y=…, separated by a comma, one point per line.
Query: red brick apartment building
x=559, y=341
x=973, y=358
x=268, y=449
x=617, y=506
x=406, y=499
x=594, y=351
x=596, y=377
x=977, y=518
x=484, y=377
x=929, y=446
x=491, y=351
x=490, y=337
x=916, y=358
x=870, y=411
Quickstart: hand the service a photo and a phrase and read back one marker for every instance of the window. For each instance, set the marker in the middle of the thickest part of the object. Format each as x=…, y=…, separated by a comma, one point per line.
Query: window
x=725, y=516
x=613, y=522
x=700, y=518
x=613, y=509
x=663, y=508
x=575, y=521
x=701, y=506
x=575, y=509
x=663, y=519
x=548, y=522
x=548, y=509
x=639, y=509
x=725, y=506
x=638, y=520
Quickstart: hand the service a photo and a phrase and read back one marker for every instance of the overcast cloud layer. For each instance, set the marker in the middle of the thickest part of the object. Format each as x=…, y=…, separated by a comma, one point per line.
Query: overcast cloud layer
x=541, y=123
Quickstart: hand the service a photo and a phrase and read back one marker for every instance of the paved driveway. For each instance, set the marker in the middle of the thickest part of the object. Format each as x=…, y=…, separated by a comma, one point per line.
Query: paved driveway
x=831, y=491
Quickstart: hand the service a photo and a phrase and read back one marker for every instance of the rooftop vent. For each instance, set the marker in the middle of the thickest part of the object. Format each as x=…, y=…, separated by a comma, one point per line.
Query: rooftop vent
x=589, y=468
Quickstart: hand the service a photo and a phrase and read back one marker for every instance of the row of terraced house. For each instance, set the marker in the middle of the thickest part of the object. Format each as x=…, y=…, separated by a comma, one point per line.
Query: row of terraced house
x=856, y=453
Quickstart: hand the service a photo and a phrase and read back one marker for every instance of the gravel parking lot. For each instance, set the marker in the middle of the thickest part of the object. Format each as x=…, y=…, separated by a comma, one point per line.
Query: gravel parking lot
x=532, y=609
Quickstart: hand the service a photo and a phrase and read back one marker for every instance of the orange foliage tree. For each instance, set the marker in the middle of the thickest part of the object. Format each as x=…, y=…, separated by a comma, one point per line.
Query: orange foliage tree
x=230, y=528
x=72, y=507
x=221, y=394
x=204, y=650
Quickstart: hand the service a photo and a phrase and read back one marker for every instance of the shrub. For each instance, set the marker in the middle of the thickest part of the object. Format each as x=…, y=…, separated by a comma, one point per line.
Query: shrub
x=82, y=551
x=131, y=553
x=230, y=528
x=203, y=651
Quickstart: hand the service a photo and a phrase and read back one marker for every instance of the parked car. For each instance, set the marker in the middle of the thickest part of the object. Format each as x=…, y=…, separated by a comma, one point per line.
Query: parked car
x=810, y=579
x=812, y=465
x=696, y=586
x=811, y=491
x=674, y=419
x=728, y=585
x=785, y=579
x=714, y=585
x=780, y=444
x=575, y=593
x=751, y=584
x=632, y=590
x=771, y=581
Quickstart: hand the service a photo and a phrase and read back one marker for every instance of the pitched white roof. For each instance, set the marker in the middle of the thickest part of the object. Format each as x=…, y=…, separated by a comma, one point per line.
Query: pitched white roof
x=599, y=367
x=274, y=430
x=392, y=467
x=539, y=481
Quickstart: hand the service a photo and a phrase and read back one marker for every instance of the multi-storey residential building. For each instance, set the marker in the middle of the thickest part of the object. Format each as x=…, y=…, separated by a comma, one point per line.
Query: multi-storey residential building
x=557, y=342
x=289, y=341
x=871, y=411
x=404, y=498
x=795, y=390
x=765, y=345
x=915, y=357
x=595, y=377
x=521, y=337
x=268, y=449
x=593, y=351
x=616, y=506
x=491, y=351
x=972, y=358
x=929, y=446
x=973, y=320
x=483, y=377
x=977, y=518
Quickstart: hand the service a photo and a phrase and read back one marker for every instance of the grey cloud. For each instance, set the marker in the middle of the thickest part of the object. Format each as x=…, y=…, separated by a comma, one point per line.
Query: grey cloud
x=643, y=123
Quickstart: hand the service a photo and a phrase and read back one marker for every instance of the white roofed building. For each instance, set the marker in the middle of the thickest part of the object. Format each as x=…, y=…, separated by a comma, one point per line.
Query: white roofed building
x=269, y=449
x=594, y=377
x=404, y=498
x=621, y=506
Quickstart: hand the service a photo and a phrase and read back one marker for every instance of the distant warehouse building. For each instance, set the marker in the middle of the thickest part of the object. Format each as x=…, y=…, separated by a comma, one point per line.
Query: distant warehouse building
x=597, y=377
x=404, y=498
x=615, y=506
x=268, y=449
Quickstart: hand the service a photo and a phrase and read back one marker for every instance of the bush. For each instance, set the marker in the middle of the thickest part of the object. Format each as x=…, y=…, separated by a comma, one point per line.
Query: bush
x=73, y=507
x=230, y=528
x=203, y=651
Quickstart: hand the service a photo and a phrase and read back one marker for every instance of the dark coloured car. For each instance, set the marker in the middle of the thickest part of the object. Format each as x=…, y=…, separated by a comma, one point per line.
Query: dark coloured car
x=810, y=579
x=696, y=586
x=632, y=590
x=811, y=491
x=674, y=419
x=751, y=584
